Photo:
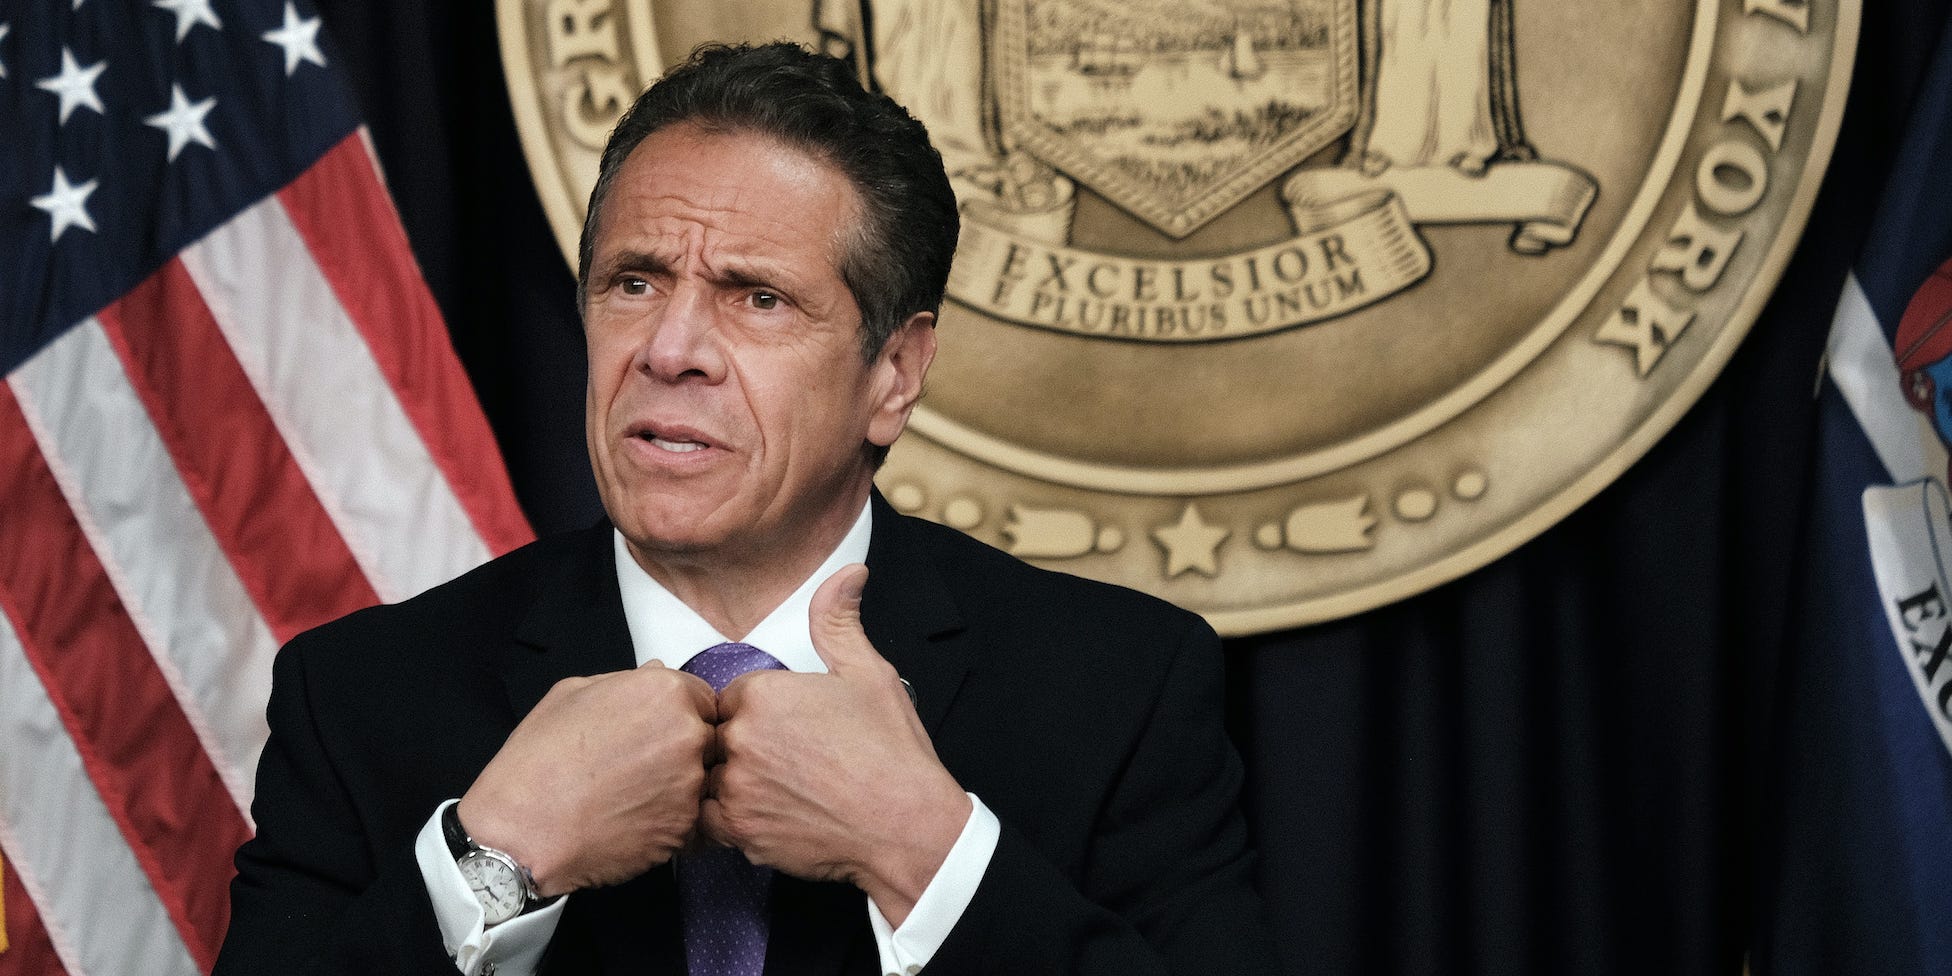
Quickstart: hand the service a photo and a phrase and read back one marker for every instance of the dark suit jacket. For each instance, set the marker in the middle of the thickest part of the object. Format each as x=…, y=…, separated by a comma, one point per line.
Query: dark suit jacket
x=1086, y=716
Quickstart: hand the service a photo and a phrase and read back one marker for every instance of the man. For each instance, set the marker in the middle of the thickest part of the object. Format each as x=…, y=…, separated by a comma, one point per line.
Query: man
x=1048, y=790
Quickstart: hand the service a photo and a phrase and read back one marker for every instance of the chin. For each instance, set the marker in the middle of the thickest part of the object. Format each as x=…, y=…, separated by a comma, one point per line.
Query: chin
x=679, y=524
x=674, y=537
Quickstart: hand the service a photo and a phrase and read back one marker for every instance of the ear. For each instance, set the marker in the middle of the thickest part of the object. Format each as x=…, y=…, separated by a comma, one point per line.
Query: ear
x=898, y=372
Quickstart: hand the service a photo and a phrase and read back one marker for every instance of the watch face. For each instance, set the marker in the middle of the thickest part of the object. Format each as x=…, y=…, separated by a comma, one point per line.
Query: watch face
x=495, y=884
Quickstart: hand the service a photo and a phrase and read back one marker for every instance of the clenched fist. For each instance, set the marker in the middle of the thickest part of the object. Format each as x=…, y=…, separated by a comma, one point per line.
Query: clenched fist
x=602, y=781
x=831, y=776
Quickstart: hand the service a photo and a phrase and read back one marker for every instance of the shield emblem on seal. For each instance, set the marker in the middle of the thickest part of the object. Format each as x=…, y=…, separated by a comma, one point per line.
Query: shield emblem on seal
x=1175, y=110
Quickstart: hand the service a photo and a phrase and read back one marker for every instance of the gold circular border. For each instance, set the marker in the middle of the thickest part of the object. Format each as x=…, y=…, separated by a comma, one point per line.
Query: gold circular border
x=564, y=214
x=1237, y=623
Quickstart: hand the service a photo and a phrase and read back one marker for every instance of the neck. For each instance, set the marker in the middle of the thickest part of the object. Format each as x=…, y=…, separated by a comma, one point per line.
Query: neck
x=735, y=590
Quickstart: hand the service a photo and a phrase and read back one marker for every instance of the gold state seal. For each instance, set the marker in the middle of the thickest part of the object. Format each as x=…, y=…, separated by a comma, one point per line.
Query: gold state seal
x=1284, y=309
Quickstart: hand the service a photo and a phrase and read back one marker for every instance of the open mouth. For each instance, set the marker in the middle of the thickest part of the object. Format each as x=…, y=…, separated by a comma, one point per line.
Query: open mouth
x=675, y=447
x=672, y=440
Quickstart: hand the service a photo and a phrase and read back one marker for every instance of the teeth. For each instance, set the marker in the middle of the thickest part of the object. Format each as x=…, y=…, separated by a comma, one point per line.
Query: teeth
x=677, y=447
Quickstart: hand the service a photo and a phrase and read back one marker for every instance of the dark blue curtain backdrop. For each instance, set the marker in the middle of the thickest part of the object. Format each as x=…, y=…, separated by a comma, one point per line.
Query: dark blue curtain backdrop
x=1554, y=765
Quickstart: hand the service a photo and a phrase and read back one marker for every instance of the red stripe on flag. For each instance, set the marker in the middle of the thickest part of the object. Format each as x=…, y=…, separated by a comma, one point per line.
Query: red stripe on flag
x=234, y=462
x=347, y=220
x=28, y=952
x=140, y=751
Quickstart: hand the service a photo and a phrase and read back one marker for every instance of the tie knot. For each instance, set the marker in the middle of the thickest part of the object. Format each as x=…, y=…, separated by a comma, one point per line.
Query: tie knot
x=720, y=663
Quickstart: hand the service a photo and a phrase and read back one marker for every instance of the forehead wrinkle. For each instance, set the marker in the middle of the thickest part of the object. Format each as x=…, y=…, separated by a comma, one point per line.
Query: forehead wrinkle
x=795, y=166
x=756, y=259
x=709, y=231
x=689, y=219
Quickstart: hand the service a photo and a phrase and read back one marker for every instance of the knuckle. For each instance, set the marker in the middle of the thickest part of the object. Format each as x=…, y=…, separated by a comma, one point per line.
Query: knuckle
x=566, y=687
x=733, y=822
x=692, y=785
x=754, y=683
x=728, y=782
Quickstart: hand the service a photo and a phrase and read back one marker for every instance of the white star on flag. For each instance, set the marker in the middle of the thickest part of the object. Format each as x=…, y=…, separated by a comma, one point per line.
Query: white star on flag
x=299, y=38
x=184, y=121
x=75, y=84
x=67, y=204
x=190, y=13
x=4, y=28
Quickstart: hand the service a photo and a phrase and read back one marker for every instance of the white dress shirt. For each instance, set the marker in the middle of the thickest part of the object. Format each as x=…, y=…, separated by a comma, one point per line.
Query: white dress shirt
x=663, y=627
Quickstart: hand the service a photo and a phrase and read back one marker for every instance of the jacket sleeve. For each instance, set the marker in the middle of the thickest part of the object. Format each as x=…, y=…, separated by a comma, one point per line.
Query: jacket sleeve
x=314, y=893
x=1167, y=886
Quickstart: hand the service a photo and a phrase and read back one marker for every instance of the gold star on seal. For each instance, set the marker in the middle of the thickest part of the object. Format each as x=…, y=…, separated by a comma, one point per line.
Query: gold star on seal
x=1190, y=544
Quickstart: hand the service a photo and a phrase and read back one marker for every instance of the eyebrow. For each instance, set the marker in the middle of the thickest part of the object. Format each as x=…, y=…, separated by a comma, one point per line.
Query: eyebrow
x=636, y=261
x=740, y=272
x=740, y=278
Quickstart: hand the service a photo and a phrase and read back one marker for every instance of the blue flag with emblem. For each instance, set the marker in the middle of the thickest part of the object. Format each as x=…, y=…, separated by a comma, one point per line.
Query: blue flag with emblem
x=1860, y=877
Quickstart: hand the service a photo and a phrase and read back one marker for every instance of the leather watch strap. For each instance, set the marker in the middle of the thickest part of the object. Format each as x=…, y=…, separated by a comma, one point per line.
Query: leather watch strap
x=452, y=832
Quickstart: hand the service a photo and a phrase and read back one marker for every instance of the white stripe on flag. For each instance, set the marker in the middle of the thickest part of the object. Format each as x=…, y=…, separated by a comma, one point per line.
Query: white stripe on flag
x=1864, y=370
x=322, y=388
x=94, y=900
x=180, y=591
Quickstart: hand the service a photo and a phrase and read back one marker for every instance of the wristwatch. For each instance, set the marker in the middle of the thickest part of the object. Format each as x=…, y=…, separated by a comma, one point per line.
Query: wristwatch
x=500, y=882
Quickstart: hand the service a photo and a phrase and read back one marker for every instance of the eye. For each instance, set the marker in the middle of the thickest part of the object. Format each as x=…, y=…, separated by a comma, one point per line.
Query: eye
x=633, y=285
x=765, y=300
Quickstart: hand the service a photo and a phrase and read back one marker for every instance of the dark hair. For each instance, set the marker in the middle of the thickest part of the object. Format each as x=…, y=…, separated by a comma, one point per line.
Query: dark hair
x=896, y=261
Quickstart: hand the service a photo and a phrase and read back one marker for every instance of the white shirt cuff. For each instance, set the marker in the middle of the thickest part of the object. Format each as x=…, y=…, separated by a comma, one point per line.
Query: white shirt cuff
x=513, y=948
x=906, y=950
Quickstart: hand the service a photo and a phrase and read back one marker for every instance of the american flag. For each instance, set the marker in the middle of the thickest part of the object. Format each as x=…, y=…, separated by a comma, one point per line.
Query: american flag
x=231, y=412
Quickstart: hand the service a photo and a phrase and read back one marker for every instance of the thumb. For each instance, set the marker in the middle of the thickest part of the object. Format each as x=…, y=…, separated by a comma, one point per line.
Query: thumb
x=834, y=620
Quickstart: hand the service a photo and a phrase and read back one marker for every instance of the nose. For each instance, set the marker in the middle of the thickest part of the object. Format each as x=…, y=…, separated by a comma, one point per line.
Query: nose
x=683, y=343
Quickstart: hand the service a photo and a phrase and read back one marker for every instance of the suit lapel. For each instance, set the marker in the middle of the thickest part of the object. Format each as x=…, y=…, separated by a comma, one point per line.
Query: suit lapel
x=911, y=616
x=575, y=627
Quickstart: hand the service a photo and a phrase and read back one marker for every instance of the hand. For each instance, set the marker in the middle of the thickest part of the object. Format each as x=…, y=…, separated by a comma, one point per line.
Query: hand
x=831, y=776
x=601, y=781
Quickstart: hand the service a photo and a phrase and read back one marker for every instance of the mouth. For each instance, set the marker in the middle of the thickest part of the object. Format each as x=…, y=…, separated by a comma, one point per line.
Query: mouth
x=671, y=439
x=675, y=447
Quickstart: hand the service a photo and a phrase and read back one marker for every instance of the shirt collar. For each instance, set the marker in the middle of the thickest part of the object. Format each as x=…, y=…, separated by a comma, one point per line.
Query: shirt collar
x=663, y=627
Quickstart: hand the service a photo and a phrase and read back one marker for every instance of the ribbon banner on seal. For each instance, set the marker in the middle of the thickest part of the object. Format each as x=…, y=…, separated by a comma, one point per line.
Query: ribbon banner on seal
x=1354, y=249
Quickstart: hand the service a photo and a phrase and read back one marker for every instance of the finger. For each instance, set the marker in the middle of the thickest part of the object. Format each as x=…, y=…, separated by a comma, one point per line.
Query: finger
x=834, y=620
x=731, y=699
x=712, y=823
x=738, y=692
x=703, y=700
x=696, y=842
x=661, y=684
x=743, y=692
x=714, y=755
x=652, y=663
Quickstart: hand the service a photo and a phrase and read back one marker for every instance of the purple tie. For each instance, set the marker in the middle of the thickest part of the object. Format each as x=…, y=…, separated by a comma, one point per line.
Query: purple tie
x=722, y=896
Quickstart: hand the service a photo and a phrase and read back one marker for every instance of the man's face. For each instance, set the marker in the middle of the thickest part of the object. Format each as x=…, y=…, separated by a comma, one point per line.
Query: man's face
x=729, y=403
